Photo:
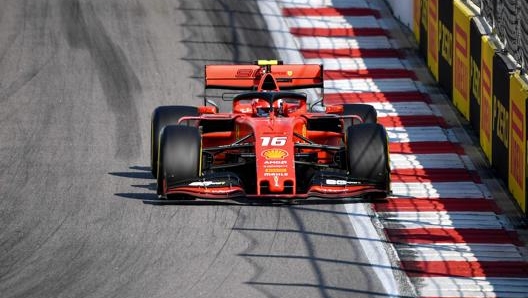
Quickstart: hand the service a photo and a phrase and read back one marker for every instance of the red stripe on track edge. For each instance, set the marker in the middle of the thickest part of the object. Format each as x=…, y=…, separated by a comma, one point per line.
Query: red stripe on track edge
x=446, y=235
x=465, y=268
x=352, y=53
x=433, y=175
x=425, y=147
x=338, y=32
x=365, y=97
x=329, y=12
x=370, y=73
x=412, y=121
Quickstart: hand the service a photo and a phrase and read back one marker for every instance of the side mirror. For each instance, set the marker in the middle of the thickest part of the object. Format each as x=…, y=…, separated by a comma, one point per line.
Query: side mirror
x=208, y=101
x=337, y=109
x=207, y=110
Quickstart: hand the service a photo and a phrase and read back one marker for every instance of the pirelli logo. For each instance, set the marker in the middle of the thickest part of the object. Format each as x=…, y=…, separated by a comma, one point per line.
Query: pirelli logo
x=517, y=142
x=486, y=101
x=461, y=79
x=433, y=30
x=517, y=121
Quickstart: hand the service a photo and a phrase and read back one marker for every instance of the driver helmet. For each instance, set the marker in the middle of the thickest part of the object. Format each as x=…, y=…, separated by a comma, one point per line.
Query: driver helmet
x=261, y=107
x=278, y=106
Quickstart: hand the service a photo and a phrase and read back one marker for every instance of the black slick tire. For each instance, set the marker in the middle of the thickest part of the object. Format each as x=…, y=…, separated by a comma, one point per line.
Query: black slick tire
x=365, y=111
x=179, y=155
x=368, y=155
x=161, y=117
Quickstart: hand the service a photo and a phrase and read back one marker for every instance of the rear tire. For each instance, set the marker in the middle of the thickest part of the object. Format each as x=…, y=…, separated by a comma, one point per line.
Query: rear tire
x=365, y=111
x=368, y=154
x=180, y=155
x=161, y=117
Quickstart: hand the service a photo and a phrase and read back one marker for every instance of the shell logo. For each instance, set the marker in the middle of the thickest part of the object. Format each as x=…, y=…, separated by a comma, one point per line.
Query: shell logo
x=274, y=154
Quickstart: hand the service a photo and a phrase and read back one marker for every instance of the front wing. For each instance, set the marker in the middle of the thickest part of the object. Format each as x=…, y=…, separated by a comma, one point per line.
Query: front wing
x=230, y=186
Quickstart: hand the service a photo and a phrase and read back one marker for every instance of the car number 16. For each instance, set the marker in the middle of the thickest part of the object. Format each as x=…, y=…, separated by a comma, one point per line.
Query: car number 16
x=274, y=141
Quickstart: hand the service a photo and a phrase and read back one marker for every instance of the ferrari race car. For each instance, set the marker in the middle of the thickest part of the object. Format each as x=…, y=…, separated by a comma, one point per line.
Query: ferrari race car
x=271, y=145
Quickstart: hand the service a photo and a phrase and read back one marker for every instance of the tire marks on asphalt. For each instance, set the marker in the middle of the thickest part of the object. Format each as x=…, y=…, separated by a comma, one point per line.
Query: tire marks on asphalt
x=121, y=86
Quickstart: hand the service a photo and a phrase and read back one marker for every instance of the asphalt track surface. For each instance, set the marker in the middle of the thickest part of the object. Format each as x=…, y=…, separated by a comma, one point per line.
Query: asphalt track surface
x=78, y=82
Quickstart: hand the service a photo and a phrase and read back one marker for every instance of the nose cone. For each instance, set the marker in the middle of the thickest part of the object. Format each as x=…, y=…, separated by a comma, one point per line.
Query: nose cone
x=277, y=166
x=275, y=156
x=276, y=186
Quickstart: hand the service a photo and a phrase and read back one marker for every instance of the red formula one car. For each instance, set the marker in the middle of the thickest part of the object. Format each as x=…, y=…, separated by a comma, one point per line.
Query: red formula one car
x=271, y=145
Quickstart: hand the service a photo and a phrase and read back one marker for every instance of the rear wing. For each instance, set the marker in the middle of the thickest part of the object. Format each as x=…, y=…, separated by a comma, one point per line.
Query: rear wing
x=247, y=76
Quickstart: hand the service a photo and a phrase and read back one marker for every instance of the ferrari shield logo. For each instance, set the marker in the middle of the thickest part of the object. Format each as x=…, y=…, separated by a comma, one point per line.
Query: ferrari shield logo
x=289, y=73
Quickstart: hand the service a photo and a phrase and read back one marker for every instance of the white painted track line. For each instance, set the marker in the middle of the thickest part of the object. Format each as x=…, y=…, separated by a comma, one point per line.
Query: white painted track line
x=472, y=287
x=385, y=109
x=416, y=134
x=373, y=246
x=459, y=252
x=358, y=63
x=426, y=161
x=325, y=3
x=442, y=219
x=358, y=42
x=340, y=22
x=284, y=42
x=459, y=190
x=370, y=85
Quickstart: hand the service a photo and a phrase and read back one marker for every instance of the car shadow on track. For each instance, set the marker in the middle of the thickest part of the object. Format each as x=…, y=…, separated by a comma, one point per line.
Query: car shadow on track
x=150, y=197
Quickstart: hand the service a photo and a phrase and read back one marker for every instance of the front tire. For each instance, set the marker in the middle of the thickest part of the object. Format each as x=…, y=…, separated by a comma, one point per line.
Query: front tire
x=161, y=117
x=368, y=154
x=180, y=155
